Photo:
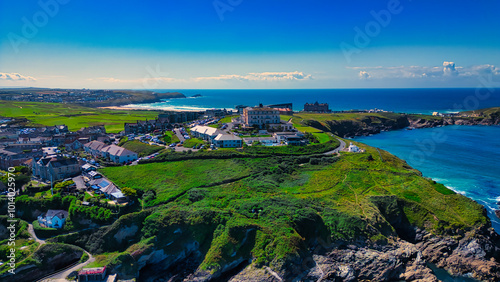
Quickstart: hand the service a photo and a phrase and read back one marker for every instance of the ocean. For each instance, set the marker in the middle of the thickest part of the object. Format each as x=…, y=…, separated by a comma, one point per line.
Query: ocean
x=399, y=100
x=464, y=158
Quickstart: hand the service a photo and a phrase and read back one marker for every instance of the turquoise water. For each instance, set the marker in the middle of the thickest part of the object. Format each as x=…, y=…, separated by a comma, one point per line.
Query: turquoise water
x=464, y=158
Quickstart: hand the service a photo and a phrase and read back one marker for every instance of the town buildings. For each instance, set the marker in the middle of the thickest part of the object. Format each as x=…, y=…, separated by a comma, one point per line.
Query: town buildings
x=17, y=154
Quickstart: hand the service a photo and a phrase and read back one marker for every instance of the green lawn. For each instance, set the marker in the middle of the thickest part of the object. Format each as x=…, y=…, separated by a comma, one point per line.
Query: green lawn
x=172, y=178
x=189, y=143
x=170, y=137
x=322, y=137
x=75, y=117
x=227, y=119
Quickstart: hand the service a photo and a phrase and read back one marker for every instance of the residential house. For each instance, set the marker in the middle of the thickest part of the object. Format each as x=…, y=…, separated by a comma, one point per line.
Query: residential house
x=227, y=141
x=118, y=154
x=53, y=218
x=94, y=148
x=112, y=152
x=353, y=148
x=54, y=168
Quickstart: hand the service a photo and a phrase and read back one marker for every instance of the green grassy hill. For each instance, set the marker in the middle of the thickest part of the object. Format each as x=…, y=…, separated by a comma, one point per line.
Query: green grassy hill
x=273, y=210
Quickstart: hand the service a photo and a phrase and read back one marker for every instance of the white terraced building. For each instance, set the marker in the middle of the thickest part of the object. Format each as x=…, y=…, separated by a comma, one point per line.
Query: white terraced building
x=205, y=132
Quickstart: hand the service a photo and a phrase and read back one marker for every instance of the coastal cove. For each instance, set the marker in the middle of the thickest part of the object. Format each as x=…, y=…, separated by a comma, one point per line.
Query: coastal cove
x=463, y=158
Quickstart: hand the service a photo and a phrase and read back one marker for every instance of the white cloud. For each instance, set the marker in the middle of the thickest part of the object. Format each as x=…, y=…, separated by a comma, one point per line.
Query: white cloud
x=263, y=76
x=15, y=76
x=364, y=75
x=448, y=71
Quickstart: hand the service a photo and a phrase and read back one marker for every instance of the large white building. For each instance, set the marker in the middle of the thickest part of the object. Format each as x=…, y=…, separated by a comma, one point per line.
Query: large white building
x=228, y=141
x=261, y=116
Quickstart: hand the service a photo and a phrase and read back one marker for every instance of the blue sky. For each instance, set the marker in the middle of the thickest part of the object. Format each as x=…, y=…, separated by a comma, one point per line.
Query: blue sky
x=248, y=44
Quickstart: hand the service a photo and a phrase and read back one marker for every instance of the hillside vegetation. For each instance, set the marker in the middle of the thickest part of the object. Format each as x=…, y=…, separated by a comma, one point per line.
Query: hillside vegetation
x=273, y=210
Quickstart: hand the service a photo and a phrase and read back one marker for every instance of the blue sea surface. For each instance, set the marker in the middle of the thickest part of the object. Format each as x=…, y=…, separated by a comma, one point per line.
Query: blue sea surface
x=464, y=158
x=399, y=100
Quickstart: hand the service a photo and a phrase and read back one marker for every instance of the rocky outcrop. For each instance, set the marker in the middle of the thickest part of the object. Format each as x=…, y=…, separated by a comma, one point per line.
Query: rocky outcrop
x=476, y=255
x=427, y=123
x=366, y=126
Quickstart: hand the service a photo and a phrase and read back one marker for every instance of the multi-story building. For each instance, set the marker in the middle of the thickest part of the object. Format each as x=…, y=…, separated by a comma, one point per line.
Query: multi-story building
x=260, y=116
x=54, y=168
x=317, y=107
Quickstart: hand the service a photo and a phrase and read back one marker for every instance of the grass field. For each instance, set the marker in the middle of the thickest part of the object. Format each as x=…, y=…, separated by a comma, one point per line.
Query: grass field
x=75, y=117
x=169, y=179
x=288, y=202
x=322, y=137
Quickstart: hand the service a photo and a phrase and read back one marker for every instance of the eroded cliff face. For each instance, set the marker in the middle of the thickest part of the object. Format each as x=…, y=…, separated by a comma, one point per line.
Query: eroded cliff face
x=473, y=255
x=426, y=123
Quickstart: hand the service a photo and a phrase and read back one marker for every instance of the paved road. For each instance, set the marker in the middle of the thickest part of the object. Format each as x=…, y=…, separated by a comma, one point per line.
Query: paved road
x=179, y=134
x=339, y=148
x=61, y=275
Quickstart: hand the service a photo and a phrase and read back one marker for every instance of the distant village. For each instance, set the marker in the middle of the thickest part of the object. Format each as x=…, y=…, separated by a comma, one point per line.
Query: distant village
x=81, y=96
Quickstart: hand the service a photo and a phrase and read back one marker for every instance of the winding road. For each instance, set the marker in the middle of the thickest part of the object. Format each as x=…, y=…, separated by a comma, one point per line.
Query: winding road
x=61, y=274
x=338, y=149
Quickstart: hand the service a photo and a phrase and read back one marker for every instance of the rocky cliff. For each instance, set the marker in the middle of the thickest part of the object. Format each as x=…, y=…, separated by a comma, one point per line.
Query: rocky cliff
x=375, y=124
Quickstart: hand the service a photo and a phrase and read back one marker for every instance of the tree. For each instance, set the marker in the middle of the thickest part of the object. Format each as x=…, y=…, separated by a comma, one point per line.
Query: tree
x=129, y=192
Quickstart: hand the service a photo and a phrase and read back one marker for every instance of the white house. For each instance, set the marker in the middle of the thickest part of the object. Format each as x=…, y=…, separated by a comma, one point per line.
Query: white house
x=114, y=153
x=53, y=218
x=353, y=148
x=227, y=141
x=205, y=132
x=118, y=154
x=94, y=148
